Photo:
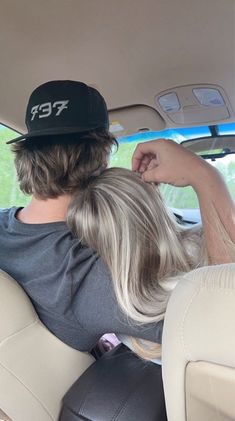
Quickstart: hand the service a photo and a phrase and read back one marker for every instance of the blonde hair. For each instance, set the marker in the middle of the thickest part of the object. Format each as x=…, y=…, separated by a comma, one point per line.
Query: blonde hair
x=50, y=166
x=127, y=223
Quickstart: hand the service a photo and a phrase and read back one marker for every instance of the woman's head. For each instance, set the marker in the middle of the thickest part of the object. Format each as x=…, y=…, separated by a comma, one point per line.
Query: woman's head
x=127, y=223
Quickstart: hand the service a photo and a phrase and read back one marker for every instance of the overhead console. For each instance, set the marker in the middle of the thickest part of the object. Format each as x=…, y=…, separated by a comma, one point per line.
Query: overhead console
x=194, y=104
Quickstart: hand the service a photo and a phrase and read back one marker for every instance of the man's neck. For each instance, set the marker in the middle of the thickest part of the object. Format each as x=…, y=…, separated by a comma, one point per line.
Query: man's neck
x=40, y=211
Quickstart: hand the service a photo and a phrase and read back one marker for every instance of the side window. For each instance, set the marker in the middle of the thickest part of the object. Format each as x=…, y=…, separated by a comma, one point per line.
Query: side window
x=226, y=166
x=180, y=198
x=10, y=194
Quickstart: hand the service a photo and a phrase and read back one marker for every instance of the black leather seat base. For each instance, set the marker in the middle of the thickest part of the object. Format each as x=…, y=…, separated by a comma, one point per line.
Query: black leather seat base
x=118, y=387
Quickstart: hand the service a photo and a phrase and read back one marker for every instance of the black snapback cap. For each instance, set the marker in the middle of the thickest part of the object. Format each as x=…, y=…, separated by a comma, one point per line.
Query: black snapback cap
x=63, y=107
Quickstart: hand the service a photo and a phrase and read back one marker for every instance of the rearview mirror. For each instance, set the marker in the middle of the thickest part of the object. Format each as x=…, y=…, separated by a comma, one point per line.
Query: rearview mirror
x=211, y=147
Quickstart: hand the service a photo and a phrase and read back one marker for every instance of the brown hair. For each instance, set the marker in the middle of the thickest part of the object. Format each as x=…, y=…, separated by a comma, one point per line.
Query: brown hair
x=48, y=167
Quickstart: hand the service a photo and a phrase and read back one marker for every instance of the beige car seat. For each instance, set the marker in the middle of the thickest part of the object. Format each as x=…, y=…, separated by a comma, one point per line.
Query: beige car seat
x=36, y=368
x=199, y=347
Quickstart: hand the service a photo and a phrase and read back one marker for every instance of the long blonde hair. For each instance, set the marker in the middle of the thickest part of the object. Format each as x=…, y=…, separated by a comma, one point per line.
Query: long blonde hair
x=127, y=223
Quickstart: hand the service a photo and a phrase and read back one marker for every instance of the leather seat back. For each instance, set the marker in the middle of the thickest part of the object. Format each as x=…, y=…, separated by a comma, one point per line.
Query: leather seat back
x=199, y=346
x=36, y=368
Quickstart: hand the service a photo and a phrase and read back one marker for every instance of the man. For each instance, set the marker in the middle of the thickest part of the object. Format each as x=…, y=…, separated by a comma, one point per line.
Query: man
x=70, y=286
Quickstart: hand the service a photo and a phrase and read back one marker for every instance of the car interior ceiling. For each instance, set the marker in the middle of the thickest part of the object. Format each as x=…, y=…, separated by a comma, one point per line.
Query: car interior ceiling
x=130, y=54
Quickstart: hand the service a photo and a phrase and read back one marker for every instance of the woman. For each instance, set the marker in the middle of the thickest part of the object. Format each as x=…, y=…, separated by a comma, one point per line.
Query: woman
x=125, y=220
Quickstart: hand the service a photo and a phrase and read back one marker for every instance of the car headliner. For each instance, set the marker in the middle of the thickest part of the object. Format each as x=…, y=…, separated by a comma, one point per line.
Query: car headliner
x=130, y=49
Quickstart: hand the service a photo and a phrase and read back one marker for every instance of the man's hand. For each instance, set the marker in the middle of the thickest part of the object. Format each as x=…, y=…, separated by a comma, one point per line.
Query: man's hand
x=164, y=161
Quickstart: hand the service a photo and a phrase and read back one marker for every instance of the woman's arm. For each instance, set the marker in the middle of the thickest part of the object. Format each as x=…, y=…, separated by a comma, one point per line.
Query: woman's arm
x=164, y=161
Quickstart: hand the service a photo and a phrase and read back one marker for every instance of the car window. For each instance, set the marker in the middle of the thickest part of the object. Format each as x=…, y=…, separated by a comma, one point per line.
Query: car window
x=180, y=198
x=12, y=196
x=10, y=192
x=226, y=166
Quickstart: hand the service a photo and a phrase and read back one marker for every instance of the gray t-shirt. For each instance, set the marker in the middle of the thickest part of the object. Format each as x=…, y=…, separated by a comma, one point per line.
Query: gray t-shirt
x=68, y=284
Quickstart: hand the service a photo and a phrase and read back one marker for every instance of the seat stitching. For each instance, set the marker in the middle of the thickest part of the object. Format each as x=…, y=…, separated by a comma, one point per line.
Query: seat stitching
x=185, y=348
x=124, y=402
x=18, y=332
x=74, y=411
x=37, y=399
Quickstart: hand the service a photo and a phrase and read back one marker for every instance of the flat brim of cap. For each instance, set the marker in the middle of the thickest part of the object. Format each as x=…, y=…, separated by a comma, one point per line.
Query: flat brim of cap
x=51, y=132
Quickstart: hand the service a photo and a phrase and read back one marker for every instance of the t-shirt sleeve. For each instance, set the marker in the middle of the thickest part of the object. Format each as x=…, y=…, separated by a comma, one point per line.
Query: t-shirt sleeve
x=96, y=309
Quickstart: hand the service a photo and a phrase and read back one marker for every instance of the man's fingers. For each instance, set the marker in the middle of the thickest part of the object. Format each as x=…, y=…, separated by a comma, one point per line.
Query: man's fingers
x=153, y=164
x=144, y=163
x=152, y=176
x=140, y=164
x=143, y=152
